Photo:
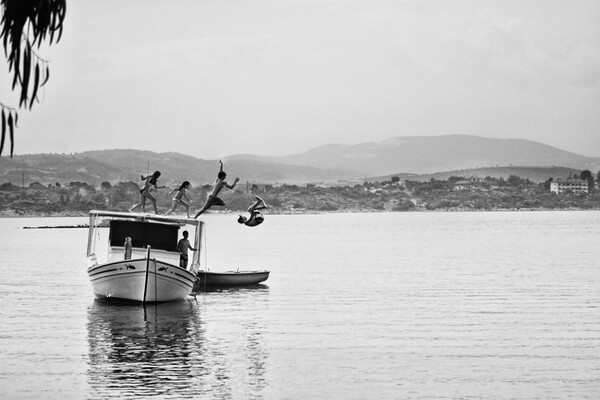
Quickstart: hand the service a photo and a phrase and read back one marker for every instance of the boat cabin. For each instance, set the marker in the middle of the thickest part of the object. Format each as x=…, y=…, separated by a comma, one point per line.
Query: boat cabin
x=129, y=236
x=136, y=236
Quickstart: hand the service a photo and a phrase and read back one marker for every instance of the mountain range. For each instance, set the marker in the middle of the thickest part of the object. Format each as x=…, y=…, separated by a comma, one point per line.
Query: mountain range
x=415, y=157
x=430, y=154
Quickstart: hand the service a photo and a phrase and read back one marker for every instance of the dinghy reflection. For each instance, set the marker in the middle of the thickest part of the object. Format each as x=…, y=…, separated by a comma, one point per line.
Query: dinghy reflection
x=199, y=288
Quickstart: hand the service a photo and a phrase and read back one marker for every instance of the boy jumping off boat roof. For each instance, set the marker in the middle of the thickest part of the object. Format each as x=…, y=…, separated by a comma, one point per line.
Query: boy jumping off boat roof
x=212, y=199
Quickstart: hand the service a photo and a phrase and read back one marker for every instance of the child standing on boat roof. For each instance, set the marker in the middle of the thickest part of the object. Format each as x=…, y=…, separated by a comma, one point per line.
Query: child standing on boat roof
x=149, y=182
x=182, y=246
x=256, y=218
x=180, y=198
x=212, y=199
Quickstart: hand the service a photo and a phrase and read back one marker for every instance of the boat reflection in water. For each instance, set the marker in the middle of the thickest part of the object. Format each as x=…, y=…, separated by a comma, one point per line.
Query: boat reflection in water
x=163, y=350
x=200, y=287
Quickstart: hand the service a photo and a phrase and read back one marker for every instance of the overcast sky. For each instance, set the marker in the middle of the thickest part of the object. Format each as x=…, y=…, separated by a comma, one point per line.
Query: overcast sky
x=278, y=77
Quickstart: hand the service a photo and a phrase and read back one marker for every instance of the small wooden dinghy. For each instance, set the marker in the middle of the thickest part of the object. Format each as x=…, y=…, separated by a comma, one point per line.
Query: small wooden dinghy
x=231, y=278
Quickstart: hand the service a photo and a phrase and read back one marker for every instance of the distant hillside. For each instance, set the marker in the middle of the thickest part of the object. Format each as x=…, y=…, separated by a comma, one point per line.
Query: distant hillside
x=421, y=155
x=95, y=167
x=534, y=174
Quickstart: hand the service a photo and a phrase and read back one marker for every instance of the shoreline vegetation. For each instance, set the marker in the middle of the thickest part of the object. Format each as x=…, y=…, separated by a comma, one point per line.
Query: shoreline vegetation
x=456, y=194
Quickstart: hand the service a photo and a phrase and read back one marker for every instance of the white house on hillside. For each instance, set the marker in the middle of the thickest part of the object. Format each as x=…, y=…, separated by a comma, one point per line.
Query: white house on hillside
x=574, y=185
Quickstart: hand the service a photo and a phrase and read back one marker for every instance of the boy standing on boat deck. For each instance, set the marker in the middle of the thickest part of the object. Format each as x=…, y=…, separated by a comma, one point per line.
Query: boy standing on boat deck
x=212, y=199
x=182, y=247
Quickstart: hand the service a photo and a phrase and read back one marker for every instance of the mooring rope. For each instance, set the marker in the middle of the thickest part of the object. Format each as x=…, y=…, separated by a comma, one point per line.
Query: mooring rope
x=147, y=270
x=205, y=259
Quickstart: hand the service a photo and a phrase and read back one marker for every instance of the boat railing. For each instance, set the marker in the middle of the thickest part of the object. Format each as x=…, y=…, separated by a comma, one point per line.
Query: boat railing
x=117, y=253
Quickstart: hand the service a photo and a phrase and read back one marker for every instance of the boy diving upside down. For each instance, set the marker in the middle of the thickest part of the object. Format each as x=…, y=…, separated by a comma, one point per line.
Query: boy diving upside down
x=256, y=218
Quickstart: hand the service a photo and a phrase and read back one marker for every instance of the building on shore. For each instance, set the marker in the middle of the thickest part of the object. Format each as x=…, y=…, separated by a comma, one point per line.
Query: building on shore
x=573, y=185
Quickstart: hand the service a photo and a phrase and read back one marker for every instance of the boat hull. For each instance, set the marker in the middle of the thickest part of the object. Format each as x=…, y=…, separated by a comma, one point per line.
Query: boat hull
x=231, y=278
x=141, y=280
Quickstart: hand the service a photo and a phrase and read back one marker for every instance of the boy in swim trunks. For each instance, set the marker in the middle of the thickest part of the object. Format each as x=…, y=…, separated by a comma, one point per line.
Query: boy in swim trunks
x=182, y=247
x=256, y=218
x=212, y=199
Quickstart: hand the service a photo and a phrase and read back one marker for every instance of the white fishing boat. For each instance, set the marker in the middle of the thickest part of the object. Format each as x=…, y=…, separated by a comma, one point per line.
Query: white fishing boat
x=231, y=278
x=133, y=256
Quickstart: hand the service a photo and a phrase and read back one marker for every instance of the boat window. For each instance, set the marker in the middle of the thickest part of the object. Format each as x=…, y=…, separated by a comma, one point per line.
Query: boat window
x=142, y=234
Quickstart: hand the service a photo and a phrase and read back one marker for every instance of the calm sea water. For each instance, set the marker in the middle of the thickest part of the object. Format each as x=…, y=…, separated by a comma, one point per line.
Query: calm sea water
x=358, y=306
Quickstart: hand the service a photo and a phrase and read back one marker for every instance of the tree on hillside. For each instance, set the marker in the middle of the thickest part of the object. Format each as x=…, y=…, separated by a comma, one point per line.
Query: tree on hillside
x=586, y=175
x=395, y=179
x=25, y=24
x=517, y=181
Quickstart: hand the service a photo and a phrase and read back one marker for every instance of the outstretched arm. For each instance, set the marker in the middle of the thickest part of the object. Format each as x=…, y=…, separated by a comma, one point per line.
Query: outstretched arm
x=221, y=162
x=233, y=185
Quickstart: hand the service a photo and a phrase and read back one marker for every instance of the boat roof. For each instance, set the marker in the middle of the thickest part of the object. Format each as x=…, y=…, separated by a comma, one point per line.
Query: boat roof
x=144, y=217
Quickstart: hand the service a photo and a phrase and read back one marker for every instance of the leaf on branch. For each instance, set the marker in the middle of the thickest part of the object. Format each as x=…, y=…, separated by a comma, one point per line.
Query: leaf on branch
x=16, y=61
x=60, y=31
x=47, y=76
x=8, y=122
x=26, y=74
x=4, y=35
x=3, y=132
x=11, y=130
x=36, y=82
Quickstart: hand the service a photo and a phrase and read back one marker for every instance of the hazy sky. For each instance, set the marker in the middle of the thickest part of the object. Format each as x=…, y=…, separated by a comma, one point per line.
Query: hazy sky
x=214, y=78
